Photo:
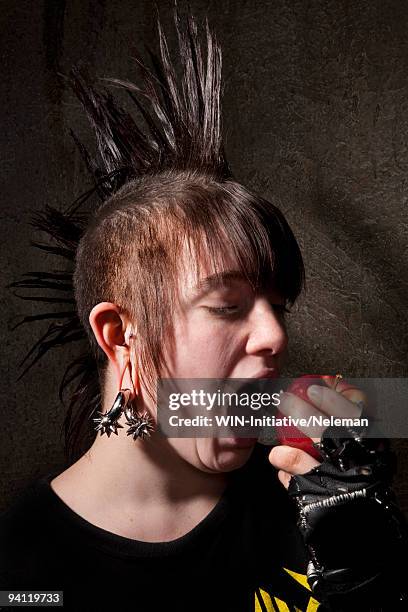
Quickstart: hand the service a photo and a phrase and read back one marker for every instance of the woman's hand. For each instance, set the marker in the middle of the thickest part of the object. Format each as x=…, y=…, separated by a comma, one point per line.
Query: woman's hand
x=344, y=402
x=290, y=461
x=348, y=516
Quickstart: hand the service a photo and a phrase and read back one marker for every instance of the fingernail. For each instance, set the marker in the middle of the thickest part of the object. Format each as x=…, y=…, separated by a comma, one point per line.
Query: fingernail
x=283, y=397
x=315, y=392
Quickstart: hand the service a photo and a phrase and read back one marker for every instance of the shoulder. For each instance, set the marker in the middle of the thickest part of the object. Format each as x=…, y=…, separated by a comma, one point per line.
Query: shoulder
x=25, y=527
x=22, y=516
x=21, y=510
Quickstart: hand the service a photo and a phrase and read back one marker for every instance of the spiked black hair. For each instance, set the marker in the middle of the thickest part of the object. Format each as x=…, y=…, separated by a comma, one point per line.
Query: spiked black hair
x=180, y=132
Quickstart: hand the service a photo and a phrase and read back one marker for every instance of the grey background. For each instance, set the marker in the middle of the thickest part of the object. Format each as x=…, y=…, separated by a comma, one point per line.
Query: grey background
x=315, y=113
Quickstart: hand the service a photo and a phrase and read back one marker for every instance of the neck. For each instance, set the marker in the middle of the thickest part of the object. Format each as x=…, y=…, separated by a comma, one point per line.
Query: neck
x=147, y=472
x=139, y=489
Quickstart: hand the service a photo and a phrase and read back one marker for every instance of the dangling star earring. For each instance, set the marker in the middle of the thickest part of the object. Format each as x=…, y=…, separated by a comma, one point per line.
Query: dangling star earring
x=139, y=426
x=108, y=422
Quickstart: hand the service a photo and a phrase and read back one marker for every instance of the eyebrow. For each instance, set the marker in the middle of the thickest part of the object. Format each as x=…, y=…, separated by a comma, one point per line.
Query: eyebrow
x=218, y=280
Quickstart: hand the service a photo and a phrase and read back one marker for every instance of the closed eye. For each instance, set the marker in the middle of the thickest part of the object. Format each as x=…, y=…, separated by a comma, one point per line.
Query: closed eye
x=223, y=310
x=235, y=309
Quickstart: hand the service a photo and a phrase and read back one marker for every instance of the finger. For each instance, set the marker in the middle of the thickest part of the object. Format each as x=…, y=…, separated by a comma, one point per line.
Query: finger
x=356, y=396
x=351, y=392
x=293, y=406
x=291, y=460
x=284, y=478
x=332, y=403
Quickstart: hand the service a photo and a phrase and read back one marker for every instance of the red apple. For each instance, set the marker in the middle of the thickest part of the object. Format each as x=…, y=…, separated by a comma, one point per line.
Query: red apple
x=291, y=435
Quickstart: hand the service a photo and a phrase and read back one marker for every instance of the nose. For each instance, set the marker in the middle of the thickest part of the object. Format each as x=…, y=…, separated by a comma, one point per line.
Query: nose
x=267, y=329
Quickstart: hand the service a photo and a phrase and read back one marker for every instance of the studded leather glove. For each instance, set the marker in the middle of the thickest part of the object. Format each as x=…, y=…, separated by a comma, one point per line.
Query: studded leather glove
x=351, y=524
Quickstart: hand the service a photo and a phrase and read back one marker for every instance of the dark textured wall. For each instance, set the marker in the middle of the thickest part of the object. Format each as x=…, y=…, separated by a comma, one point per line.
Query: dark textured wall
x=315, y=110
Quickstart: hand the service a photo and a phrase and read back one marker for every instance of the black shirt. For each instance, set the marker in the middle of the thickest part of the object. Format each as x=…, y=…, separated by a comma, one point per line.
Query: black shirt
x=246, y=554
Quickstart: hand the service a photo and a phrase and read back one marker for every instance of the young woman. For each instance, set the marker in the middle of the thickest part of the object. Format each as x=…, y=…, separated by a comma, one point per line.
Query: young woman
x=182, y=272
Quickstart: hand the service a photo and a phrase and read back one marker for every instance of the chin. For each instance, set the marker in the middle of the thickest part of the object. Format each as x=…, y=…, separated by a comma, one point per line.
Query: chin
x=227, y=459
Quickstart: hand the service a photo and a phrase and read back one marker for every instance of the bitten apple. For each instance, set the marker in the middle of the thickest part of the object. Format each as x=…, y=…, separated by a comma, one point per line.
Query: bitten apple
x=291, y=435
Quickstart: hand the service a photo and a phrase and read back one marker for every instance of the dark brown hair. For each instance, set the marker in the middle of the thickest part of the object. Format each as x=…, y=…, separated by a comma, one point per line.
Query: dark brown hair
x=163, y=186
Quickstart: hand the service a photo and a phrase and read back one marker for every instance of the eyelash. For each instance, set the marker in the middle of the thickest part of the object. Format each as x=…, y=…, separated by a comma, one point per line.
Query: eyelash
x=223, y=310
x=231, y=310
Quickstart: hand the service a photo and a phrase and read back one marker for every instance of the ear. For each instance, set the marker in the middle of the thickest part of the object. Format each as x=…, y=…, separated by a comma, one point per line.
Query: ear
x=112, y=330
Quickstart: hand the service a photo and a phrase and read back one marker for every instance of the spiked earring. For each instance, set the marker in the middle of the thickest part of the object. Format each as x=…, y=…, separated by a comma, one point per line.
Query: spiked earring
x=139, y=426
x=108, y=422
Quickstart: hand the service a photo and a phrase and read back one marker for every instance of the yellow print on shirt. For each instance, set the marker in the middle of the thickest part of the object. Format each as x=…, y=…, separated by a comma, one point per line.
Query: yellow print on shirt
x=267, y=602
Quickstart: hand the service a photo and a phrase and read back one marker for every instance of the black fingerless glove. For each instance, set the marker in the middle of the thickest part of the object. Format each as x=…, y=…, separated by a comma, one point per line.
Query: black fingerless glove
x=354, y=531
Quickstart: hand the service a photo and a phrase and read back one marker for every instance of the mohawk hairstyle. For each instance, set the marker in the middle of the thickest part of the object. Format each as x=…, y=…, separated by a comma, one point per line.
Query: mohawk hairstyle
x=176, y=149
x=183, y=120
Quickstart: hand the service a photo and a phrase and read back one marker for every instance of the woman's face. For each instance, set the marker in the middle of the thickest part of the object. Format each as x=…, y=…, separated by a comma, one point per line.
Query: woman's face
x=224, y=330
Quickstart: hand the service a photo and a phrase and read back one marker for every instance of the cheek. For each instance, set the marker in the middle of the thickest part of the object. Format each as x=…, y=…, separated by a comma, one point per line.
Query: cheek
x=203, y=348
